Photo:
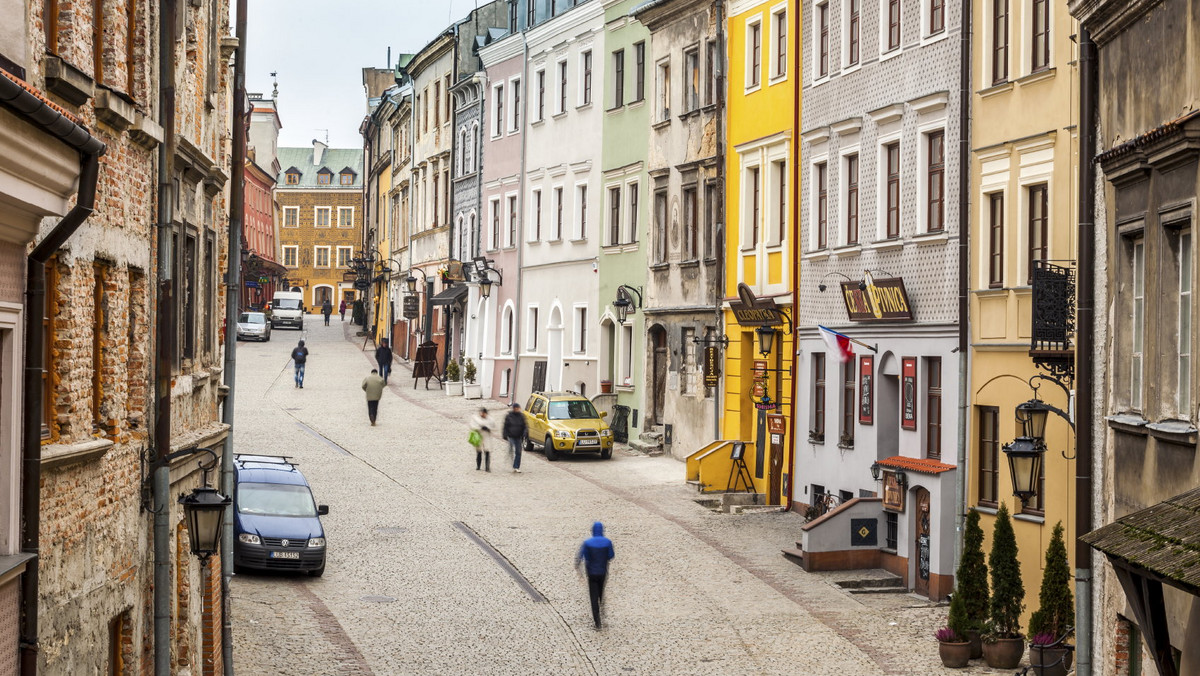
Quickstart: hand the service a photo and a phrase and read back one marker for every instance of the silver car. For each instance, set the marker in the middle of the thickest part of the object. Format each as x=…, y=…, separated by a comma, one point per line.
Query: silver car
x=253, y=325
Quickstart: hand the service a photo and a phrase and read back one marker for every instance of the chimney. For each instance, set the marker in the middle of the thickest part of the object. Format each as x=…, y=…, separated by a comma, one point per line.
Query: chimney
x=318, y=151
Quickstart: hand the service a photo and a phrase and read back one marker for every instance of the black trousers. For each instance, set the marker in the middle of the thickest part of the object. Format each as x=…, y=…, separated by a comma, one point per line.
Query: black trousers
x=372, y=409
x=596, y=592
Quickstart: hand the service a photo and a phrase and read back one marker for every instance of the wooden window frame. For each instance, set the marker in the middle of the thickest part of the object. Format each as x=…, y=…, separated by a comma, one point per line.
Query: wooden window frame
x=817, y=433
x=1039, y=42
x=823, y=39
x=996, y=240
x=1039, y=227
x=755, y=207
x=822, y=172
x=989, y=456
x=935, y=187
x=937, y=16
x=849, y=403
x=691, y=222
x=618, y=78
x=933, y=408
x=852, y=202
x=779, y=19
x=894, y=21
x=892, y=197
x=755, y=54
x=854, y=52
x=639, y=89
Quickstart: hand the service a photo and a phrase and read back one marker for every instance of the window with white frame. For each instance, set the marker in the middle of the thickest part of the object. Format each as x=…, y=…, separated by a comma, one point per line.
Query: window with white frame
x=889, y=179
x=820, y=176
x=344, y=254
x=531, y=328
x=291, y=217
x=540, y=78
x=618, y=61
x=510, y=236
x=712, y=218
x=581, y=211
x=999, y=41
x=509, y=331
x=752, y=206
x=852, y=38
x=497, y=110
x=753, y=53
x=291, y=255
x=580, y=329
x=935, y=181
x=493, y=242
x=935, y=17
x=691, y=223
x=662, y=82
x=1183, y=383
x=631, y=228
x=889, y=19
x=558, y=213
x=614, y=215
x=516, y=104
x=345, y=217
x=562, y=87
x=320, y=257
x=321, y=216
x=535, y=216
x=660, y=226
x=585, y=77
x=1039, y=38
x=779, y=202
x=821, y=41
x=850, y=197
x=473, y=234
x=639, y=73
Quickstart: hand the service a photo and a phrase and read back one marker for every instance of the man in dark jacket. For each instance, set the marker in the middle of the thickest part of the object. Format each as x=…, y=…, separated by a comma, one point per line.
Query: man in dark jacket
x=383, y=357
x=300, y=357
x=515, y=431
x=326, y=309
x=595, y=553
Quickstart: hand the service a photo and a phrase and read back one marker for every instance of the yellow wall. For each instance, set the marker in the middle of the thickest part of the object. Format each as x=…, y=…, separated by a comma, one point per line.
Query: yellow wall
x=1012, y=152
x=383, y=218
x=760, y=130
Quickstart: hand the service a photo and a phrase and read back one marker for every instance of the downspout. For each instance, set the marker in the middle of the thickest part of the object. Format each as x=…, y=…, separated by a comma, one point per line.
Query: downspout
x=90, y=150
x=1084, y=395
x=165, y=343
x=797, y=102
x=516, y=350
x=233, y=292
x=964, y=251
x=719, y=245
x=449, y=197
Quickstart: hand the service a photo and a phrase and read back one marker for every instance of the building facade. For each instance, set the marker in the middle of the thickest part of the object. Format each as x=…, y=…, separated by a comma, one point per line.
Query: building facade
x=261, y=269
x=378, y=153
x=320, y=194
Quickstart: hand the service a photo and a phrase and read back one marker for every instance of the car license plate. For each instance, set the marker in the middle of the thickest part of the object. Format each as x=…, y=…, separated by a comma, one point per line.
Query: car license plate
x=588, y=442
x=285, y=555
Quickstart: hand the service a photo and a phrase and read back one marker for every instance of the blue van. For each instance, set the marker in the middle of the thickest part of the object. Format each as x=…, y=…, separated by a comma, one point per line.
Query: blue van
x=276, y=522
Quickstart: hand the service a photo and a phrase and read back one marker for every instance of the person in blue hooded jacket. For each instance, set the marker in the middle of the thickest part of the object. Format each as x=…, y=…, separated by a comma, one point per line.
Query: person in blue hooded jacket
x=595, y=553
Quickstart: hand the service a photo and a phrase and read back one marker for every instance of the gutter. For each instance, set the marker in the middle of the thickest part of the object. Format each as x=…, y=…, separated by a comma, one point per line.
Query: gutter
x=719, y=245
x=516, y=350
x=39, y=113
x=964, y=252
x=795, y=233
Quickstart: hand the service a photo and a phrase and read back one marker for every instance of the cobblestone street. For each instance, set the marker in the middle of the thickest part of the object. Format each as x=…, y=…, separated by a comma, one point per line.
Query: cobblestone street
x=436, y=568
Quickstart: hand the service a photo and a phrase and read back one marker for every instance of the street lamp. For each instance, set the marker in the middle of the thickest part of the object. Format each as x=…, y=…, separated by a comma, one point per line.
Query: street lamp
x=1025, y=462
x=875, y=470
x=204, y=510
x=1032, y=415
x=766, y=339
x=625, y=301
x=411, y=283
x=483, y=271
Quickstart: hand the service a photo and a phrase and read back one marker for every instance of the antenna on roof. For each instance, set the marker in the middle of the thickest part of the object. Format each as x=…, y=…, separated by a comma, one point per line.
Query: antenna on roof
x=275, y=77
x=326, y=135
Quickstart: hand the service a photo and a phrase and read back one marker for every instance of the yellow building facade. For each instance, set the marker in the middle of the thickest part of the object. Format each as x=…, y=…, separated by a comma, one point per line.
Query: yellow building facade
x=1023, y=210
x=762, y=105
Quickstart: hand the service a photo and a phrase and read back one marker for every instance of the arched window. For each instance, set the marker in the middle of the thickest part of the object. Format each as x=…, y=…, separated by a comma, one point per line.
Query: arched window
x=473, y=234
x=464, y=149
x=509, y=332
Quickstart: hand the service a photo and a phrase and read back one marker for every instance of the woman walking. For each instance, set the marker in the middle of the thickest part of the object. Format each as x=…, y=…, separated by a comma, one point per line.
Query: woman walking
x=481, y=437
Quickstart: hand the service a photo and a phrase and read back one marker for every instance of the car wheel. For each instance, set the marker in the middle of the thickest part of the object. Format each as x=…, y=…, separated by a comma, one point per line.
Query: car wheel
x=267, y=339
x=548, y=449
x=318, y=572
x=528, y=445
x=606, y=453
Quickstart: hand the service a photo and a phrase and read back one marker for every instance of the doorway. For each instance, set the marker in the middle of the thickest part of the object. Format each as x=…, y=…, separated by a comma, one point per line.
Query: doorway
x=658, y=392
x=322, y=294
x=922, y=544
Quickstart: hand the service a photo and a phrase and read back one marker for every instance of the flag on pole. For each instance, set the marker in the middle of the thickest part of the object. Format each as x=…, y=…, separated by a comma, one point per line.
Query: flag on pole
x=838, y=344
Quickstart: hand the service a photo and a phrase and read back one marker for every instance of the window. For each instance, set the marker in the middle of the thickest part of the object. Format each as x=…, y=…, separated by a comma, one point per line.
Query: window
x=531, y=326
x=347, y=178
x=321, y=257
x=639, y=76
x=321, y=216
x=344, y=254
x=710, y=65
x=1138, y=324
x=822, y=206
x=516, y=111
x=779, y=26
x=691, y=81
x=437, y=103
x=1040, y=59
x=754, y=55
x=933, y=408
x=996, y=240
x=632, y=232
x=511, y=236
x=293, y=178
x=849, y=408
x=893, y=24
x=854, y=28
x=937, y=16
x=664, y=90
x=586, y=67
x=435, y=194
x=660, y=226
x=823, y=39
x=989, y=455
x=536, y=235
x=687, y=365
x=712, y=216
x=345, y=217
x=691, y=224
x=891, y=152
x=290, y=255
x=324, y=178
x=1039, y=223
x=626, y=354
x=497, y=110
x=755, y=207
x=614, y=215
x=558, y=212
x=494, y=228
x=852, y=199
x=1183, y=384
x=541, y=95
x=99, y=338
x=530, y=13
x=999, y=41
x=562, y=86
x=581, y=330
x=935, y=181
x=618, y=78
x=581, y=197
x=817, y=433
x=510, y=330
x=891, y=530
x=291, y=217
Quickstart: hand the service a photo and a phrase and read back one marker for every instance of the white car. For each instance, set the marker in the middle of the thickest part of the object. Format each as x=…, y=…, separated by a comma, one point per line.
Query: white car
x=253, y=325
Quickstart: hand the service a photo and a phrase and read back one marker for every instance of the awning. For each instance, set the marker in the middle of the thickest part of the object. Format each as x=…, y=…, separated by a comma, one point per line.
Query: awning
x=451, y=294
x=1147, y=549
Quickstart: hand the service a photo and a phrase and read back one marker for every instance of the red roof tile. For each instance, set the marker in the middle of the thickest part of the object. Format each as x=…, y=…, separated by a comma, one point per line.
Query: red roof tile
x=923, y=465
x=33, y=90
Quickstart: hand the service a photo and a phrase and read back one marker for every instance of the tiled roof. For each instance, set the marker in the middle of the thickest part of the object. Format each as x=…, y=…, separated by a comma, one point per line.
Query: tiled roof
x=922, y=465
x=333, y=160
x=1164, y=539
x=41, y=97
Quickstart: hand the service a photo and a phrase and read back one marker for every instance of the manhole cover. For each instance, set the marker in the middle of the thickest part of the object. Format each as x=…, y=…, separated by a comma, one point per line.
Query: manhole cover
x=377, y=599
x=394, y=530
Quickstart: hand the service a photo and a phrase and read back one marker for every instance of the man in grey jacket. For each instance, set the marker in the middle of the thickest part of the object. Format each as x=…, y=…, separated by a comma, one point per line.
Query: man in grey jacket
x=373, y=386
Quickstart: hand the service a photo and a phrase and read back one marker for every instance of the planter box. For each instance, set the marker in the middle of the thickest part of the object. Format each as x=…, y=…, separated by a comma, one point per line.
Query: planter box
x=473, y=391
x=454, y=388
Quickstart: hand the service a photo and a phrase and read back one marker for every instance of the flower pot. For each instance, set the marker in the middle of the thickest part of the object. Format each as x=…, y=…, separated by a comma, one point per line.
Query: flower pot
x=473, y=391
x=454, y=388
x=976, y=643
x=605, y=387
x=1054, y=661
x=1004, y=653
x=954, y=655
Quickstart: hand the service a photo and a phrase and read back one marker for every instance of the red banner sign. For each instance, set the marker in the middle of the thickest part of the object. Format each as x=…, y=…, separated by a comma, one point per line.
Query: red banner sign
x=866, y=389
x=908, y=393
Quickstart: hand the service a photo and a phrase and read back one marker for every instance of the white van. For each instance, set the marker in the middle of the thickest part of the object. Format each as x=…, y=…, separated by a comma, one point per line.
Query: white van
x=287, y=309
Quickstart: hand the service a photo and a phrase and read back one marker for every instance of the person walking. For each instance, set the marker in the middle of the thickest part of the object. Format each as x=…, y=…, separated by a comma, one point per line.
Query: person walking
x=373, y=386
x=300, y=358
x=515, y=431
x=481, y=430
x=342, y=309
x=326, y=309
x=595, y=553
x=383, y=357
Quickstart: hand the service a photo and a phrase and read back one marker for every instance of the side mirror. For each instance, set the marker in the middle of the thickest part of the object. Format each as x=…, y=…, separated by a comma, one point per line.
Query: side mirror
x=603, y=414
x=322, y=509
x=541, y=416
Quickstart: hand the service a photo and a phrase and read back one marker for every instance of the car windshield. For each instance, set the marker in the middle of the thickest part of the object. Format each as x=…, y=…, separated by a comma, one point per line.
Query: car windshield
x=252, y=318
x=287, y=304
x=275, y=500
x=574, y=409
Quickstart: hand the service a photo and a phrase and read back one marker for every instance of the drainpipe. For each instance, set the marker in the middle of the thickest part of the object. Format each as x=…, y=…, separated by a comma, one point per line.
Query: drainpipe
x=233, y=293
x=1084, y=333
x=719, y=245
x=516, y=350
x=964, y=252
x=165, y=343
x=90, y=149
x=795, y=204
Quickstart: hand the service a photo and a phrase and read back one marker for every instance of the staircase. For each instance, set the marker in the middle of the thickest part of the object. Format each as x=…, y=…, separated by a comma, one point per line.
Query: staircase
x=649, y=442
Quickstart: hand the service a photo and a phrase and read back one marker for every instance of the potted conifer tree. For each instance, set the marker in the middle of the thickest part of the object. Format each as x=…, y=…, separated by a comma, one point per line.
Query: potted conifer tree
x=969, y=605
x=1003, y=644
x=454, y=386
x=471, y=389
x=1055, y=616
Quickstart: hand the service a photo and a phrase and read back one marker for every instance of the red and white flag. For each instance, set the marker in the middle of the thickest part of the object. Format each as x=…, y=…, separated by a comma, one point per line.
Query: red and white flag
x=838, y=344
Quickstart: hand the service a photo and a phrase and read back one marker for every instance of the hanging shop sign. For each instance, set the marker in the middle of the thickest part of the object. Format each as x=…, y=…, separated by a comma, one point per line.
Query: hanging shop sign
x=866, y=389
x=877, y=300
x=410, y=308
x=760, y=369
x=453, y=272
x=893, y=492
x=750, y=310
x=908, y=393
x=712, y=367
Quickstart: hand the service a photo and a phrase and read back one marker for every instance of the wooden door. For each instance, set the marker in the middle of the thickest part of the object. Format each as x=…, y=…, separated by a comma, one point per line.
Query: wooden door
x=923, y=544
x=658, y=338
x=539, y=376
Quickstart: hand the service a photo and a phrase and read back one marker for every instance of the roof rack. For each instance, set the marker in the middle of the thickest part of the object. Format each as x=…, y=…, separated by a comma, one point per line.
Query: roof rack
x=267, y=459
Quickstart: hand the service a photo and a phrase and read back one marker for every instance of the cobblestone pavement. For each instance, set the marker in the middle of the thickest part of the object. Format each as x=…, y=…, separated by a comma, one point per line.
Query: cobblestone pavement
x=412, y=588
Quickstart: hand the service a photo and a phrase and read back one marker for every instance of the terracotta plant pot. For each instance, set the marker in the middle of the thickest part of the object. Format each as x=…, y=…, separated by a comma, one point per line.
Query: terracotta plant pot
x=976, y=644
x=954, y=655
x=1004, y=653
x=605, y=386
x=1054, y=661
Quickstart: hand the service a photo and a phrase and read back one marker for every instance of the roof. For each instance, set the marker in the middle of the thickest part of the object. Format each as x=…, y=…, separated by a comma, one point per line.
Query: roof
x=332, y=160
x=922, y=465
x=1163, y=539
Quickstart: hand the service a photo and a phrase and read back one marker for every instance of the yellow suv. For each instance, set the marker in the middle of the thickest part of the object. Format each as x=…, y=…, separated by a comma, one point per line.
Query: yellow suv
x=565, y=422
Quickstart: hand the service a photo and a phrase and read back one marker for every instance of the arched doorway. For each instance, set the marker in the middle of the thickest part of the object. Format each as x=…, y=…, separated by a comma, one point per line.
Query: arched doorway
x=322, y=294
x=922, y=541
x=658, y=373
x=554, y=351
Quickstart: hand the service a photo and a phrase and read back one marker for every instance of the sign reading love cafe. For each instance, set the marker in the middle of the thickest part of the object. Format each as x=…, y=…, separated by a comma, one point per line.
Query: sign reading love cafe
x=881, y=300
